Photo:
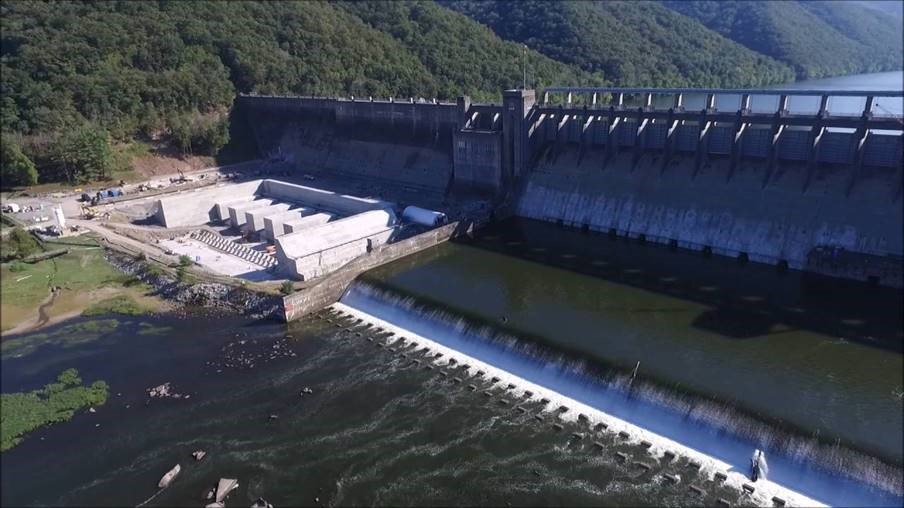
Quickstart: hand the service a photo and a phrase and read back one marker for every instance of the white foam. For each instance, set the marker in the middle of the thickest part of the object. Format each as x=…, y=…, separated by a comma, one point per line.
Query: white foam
x=765, y=489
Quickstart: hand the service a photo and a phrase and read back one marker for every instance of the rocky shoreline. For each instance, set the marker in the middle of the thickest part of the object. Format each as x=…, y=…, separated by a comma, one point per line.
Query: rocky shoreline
x=204, y=295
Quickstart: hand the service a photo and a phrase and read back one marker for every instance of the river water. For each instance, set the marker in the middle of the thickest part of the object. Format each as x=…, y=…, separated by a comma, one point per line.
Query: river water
x=844, y=106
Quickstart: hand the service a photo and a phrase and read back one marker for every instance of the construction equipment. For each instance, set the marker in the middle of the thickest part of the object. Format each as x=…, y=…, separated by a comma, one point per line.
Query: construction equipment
x=88, y=212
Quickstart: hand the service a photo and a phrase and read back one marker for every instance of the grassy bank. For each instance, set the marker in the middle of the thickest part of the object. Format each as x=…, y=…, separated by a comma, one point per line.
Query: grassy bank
x=24, y=412
x=121, y=304
x=86, y=281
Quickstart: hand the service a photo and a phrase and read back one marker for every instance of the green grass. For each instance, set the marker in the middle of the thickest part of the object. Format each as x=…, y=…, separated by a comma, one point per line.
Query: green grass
x=121, y=304
x=24, y=412
x=80, y=270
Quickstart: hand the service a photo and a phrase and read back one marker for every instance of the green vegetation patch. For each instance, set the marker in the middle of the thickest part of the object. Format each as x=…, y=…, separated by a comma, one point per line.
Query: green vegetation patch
x=67, y=336
x=121, y=304
x=24, y=412
x=150, y=329
x=83, y=269
x=18, y=244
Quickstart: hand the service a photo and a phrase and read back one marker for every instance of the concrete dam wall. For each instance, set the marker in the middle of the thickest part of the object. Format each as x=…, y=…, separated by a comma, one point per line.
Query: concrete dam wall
x=773, y=224
x=399, y=142
x=817, y=191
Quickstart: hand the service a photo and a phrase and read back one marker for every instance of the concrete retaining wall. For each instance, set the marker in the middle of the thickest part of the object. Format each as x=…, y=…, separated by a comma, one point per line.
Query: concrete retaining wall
x=307, y=222
x=478, y=159
x=273, y=224
x=198, y=206
x=328, y=290
x=237, y=213
x=254, y=219
x=318, y=198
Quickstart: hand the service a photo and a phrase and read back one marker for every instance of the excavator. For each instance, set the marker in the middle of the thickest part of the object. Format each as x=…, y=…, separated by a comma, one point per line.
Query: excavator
x=88, y=212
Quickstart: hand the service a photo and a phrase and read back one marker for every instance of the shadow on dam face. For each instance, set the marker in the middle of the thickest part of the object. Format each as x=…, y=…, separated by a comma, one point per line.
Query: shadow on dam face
x=744, y=299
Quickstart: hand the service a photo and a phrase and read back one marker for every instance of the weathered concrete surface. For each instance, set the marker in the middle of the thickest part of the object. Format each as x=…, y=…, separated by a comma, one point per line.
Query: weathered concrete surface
x=771, y=185
x=319, y=198
x=771, y=224
x=254, y=219
x=198, y=206
x=222, y=207
x=315, y=251
x=329, y=289
x=237, y=213
x=273, y=224
x=306, y=222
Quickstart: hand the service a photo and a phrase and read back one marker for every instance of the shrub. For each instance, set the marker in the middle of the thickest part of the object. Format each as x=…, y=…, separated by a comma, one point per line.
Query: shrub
x=122, y=304
x=152, y=269
x=24, y=412
x=18, y=244
x=287, y=287
x=185, y=260
x=16, y=266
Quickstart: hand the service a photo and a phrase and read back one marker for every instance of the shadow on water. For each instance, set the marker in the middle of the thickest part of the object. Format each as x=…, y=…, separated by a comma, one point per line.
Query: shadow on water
x=797, y=461
x=779, y=347
x=747, y=299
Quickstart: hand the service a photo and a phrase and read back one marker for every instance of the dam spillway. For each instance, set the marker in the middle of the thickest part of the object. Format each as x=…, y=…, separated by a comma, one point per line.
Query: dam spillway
x=802, y=474
x=580, y=337
x=802, y=179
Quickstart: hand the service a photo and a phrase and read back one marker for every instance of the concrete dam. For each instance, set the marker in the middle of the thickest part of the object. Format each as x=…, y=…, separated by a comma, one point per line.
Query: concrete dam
x=803, y=179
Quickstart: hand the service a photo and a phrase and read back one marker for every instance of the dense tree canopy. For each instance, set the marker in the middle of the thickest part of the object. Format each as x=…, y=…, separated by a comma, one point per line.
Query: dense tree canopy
x=817, y=38
x=631, y=43
x=73, y=74
x=15, y=167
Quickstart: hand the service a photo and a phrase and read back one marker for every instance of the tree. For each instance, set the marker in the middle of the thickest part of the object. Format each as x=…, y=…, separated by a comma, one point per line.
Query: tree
x=15, y=167
x=195, y=133
x=84, y=154
x=17, y=245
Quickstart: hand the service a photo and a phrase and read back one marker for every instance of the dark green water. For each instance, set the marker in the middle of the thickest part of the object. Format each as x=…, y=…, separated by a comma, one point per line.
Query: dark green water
x=817, y=354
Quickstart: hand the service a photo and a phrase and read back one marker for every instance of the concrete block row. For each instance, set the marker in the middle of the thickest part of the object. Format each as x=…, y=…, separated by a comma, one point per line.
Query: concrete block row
x=232, y=248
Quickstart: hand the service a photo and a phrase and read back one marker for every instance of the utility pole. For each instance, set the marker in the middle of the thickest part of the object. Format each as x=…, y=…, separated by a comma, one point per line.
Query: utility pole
x=524, y=66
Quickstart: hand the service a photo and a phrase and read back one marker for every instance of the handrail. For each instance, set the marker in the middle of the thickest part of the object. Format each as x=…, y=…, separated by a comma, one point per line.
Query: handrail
x=732, y=91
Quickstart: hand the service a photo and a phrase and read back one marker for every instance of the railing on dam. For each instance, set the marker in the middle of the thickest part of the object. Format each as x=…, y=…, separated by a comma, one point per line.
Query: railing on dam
x=847, y=127
x=879, y=104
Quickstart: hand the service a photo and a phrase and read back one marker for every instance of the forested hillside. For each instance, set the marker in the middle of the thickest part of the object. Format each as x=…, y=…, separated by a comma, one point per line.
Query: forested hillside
x=816, y=38
x=81, y=80
x=465, y=57
x=631, y=43
x=75, y=73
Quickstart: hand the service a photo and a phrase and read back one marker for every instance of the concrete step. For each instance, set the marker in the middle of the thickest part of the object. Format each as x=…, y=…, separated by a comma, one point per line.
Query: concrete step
x=228, y=246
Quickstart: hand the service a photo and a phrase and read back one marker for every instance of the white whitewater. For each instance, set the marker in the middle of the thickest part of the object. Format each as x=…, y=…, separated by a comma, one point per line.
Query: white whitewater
x=797, y=482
